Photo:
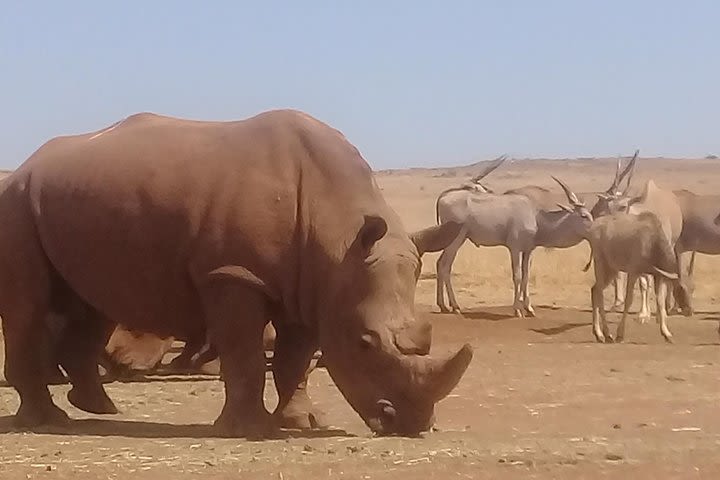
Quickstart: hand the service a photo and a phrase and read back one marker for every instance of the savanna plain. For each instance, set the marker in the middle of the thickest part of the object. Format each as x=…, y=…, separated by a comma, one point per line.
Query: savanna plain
x=540, y=399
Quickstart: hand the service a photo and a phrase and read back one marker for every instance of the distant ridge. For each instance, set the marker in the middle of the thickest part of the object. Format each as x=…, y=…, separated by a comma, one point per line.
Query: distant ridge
x=470, y=169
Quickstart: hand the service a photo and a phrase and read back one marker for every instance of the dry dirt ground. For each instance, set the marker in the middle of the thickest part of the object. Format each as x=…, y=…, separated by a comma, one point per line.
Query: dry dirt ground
x=539, y=400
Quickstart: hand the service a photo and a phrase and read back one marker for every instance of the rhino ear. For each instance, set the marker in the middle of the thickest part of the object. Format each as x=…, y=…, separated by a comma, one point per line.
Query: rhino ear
x=434, y=239
x=374, y=228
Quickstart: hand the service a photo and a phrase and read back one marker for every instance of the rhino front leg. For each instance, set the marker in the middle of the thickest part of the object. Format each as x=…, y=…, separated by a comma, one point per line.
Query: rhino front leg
x=293, y=352
x=236, y=315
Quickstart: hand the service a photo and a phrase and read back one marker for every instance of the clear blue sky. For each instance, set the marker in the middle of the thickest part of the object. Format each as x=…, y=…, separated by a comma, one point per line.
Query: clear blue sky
x=409, y=82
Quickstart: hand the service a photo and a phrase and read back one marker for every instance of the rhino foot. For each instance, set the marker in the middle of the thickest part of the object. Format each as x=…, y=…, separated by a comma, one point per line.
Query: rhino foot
x=180, y=364
x=30, y=416
x=55, y=376
x=92, y=401
x=260, y=427
x=302, y=419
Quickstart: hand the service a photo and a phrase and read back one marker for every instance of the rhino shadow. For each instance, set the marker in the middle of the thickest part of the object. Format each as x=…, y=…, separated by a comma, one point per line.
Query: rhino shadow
x=552, y=331
x=496, y=314
x=142, y=429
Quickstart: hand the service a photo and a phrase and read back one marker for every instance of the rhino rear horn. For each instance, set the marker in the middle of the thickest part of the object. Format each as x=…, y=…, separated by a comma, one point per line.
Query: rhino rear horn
x=436, y=238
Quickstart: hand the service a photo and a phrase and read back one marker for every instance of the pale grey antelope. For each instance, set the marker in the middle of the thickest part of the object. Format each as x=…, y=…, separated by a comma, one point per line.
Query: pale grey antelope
x=596, y=201
x=700, y=232
x=511, y=220
x=638, y=245
x=666, y=207
x=602, y=207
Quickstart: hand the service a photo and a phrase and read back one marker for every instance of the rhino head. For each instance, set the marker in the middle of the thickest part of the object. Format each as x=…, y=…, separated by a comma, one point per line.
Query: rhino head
x=376, y=350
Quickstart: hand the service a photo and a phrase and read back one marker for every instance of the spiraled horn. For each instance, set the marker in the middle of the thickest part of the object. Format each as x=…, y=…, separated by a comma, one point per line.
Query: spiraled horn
x=491, y=166
x=612, y=189
x=630, y=169
x=572, y=198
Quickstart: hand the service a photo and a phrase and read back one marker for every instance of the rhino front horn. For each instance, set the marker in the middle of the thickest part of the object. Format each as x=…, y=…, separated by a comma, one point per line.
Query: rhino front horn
x=440, y=376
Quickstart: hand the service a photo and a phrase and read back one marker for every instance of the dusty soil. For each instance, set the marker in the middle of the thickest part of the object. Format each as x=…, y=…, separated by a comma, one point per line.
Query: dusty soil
x=540, y=399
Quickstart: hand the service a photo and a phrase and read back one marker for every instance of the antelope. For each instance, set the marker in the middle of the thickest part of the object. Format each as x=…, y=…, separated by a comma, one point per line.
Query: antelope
x=638, y=245
x=512, y=220
x=603, y=207
x=546, y=199
x=666, y=206
x=700, y=232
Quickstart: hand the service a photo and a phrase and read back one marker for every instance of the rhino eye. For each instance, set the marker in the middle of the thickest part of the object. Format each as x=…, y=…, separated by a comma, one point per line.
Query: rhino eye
x=369, y=340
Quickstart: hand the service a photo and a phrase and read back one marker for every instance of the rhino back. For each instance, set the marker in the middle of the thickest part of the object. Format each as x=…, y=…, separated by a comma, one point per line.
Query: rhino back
x=133, y=216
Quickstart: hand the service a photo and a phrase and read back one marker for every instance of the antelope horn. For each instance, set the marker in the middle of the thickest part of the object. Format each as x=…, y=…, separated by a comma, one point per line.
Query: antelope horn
x=572, y=198
x=613, y=187
x=492, y=166
x=630, y=169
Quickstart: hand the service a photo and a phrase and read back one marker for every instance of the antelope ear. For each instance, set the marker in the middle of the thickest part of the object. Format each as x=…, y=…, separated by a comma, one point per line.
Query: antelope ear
x=434, y=239
x=566, y=208
x=604, y=196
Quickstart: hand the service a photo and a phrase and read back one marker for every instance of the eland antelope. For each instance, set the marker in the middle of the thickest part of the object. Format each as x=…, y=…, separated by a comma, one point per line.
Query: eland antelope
x=666, y=205
x=700, y=232
x=512, y=220
x=638, y=245
x=605, y=201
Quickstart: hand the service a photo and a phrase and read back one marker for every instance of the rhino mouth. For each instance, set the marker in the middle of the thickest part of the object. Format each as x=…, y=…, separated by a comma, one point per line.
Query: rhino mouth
x=427, y=381
x=387, y=422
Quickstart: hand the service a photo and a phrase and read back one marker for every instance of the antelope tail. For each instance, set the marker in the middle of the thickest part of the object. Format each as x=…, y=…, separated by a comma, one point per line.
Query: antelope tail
x=671, y=276
x=437, y=210
x=590, y=260
x=691, y=268
x=437, y=202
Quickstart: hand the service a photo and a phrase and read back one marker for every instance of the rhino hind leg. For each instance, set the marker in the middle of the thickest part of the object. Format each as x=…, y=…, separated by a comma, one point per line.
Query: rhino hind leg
x=79, y=351
x=26, y=369
x=293, y=352
x=24, y=296
x=236, y=316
